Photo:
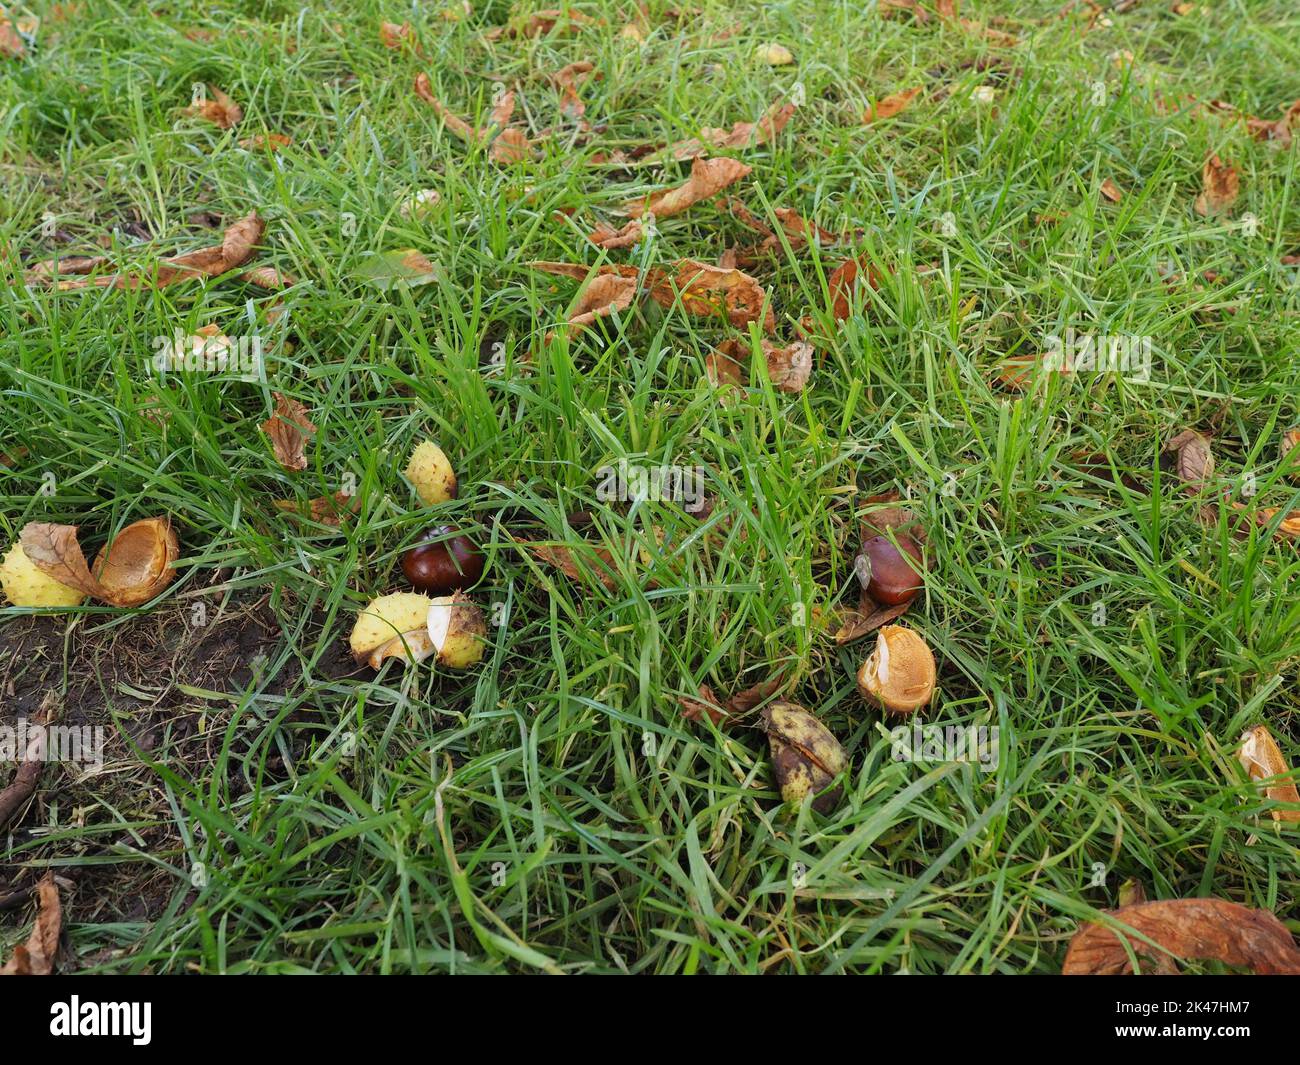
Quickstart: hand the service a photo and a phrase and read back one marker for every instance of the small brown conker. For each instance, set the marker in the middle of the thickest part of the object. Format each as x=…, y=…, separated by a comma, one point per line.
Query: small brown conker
x=891, y=579
x=444, y=561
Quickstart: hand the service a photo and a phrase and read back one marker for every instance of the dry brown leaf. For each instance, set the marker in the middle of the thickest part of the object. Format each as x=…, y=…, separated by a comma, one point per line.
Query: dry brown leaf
x=741, y=135
x=788, y=366
x=511, y=146
x=844, y=281
x=891, y=105
x=1189, y=456
x=606, y=294
x=15, y=795
x=286, y=429
x=236, y=246
x=726, y=712
x=1262, y=759
x=11, y=45
x=708, y=178
x=268, y=277
x=712, y=292
x=458, y=126
x=1200, y=929
x=1288, y=528
x=56, y=552
x=326, y=510
x=1220, y=186
x=391, y=35
x=562, y=558
x=912, y=7
x=604, y=236
x=567, y=79
x=271, y=142
x=217, y=108
x=541, y=23
x=869, y=617
x=504, y=108
x=37, y=957
x=1111, y=191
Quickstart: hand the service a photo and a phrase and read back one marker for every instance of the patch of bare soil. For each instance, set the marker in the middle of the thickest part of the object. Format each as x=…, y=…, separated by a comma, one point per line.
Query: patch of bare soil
x=162, y=686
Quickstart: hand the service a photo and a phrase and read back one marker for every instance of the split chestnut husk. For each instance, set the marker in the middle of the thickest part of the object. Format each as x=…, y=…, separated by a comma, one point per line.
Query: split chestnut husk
x=806, y=758
x=900, y=673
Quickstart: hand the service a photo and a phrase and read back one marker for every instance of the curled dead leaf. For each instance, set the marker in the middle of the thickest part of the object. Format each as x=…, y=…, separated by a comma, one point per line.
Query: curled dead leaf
x=288, y=428
x=1111, y=191
x=843, y=283
x=37, y=957
x=788, y=366
x=604, y=236
x=708, y=178
x=237, y=244
x=741, y=135
x=1199, y=929
x=1189, y=456
x=891, y=105
x=605, y=294
x=1220, y=185
x=216, y=107
x=11, y=45
x=391, y=35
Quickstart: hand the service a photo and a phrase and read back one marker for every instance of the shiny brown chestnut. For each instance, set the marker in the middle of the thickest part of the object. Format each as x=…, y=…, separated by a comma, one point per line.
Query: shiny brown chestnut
x=893, y=580
x=444, y=561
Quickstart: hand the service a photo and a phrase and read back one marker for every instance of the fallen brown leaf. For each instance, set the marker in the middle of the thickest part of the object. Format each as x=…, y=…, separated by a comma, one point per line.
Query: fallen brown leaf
x=604, y=236
x=236, y=246
x=217, y=108
x=712, y=291
x=511, y=146
x=55, y=550
x=1220, y=186
x=1189, y=456
x=11, y=45
x=1111, y=191
x=37, y=957
x=326, y=510
x=1201, y=929
x=391, y=35
x=843, y=282
x=288, y=428
x=708, y=178
x=726, y=712
x=271, y=142
x=891, y=105
x=541, y=23
x=605, y=294
x=788, y=366
x=562, y=558
x=741, y=135
x=567, y=79
x=14, y=796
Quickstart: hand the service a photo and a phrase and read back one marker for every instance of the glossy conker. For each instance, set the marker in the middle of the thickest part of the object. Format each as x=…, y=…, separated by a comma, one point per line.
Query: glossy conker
x=444, y=561
x=893, y=579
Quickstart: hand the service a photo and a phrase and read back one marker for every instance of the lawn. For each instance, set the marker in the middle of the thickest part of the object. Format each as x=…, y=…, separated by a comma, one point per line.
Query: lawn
x=1110, y=622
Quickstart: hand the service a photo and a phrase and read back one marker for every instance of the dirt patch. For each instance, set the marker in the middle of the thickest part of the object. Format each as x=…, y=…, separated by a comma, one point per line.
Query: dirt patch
x=159, y=685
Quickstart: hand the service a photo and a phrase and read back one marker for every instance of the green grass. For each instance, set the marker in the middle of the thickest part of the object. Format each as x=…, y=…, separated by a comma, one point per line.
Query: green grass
x=557, y=841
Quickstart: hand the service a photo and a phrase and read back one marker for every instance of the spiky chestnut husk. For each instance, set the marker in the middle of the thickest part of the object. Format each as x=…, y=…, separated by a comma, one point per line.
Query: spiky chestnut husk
x=429, y=470
x=386, y=619
x=26, y=585
x=806, y=757
x=458, y=631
